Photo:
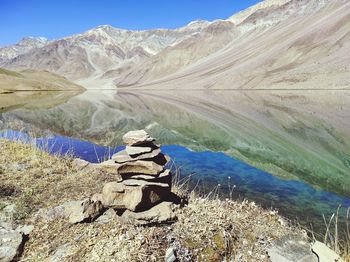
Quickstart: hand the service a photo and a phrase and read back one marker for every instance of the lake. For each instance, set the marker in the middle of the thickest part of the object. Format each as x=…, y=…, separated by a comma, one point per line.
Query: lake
x=288, y=150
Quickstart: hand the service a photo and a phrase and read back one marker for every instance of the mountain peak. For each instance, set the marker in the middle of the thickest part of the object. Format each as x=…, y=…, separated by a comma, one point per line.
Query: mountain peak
x=32, y=41
x=241, y=16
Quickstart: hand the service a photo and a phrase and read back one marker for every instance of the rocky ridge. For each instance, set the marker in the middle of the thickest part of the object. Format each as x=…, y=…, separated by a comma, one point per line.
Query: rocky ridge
x=25, y=45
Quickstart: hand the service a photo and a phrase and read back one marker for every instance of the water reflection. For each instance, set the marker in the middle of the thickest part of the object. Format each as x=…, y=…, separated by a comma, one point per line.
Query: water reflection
x=292, y=134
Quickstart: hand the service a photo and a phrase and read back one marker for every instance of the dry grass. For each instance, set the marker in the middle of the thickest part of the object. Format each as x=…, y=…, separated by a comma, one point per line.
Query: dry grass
x=34, y=80
x=208, y=229
x=332, y=237
x=33, y=179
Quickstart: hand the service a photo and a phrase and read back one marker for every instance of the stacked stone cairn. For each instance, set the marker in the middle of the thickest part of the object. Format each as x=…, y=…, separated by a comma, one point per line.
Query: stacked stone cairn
x=142, y=188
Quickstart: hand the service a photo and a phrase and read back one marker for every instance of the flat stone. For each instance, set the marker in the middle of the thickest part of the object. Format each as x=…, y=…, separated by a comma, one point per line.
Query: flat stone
x=161, y=213
x=81, y=211
x=107, y=216
x=136, y=182
x=163, y=177
x=291, y=249
x=122, y=156
x=137, y=137
x=25, y=229
x=52, y=214
x=170, y=255
x=137, y=150
x=324, y=253
x=106, y=167
x=10, y=243
x=134, y=196
x=141, y=177
x=140, y=167
x=109, y=167
x=108, y=163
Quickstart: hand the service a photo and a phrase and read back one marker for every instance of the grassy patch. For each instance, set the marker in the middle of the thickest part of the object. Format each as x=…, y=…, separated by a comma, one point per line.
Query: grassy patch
x=2, y=206
x=9, y=73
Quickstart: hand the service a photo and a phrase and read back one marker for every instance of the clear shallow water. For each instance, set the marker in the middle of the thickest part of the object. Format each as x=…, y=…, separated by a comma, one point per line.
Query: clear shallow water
x=295, y=199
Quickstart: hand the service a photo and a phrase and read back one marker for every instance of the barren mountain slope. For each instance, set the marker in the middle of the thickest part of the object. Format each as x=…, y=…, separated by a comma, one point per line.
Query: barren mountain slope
x=23, y=46
x=279, y=44
x=310, y=49
x=90, y=55
x=211, y=39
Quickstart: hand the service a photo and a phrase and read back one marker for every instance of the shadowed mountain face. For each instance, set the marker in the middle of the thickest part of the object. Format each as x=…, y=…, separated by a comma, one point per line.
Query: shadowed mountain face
x=277, y=44
x=292, y=134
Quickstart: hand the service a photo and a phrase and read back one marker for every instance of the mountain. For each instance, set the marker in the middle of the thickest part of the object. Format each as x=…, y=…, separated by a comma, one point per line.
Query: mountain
x=297, y=44
x=100, y=51
x=23, y=46
x=279, y=44
x=32, y=80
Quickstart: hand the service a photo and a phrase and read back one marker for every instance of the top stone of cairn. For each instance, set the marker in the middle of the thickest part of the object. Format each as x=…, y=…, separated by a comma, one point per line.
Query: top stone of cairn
x=138, y=137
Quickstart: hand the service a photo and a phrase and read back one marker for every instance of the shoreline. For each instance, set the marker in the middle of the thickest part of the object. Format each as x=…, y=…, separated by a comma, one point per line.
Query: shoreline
x=40, y=181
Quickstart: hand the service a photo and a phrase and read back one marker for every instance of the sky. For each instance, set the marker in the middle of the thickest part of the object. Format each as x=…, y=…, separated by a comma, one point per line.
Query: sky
x=58, y=18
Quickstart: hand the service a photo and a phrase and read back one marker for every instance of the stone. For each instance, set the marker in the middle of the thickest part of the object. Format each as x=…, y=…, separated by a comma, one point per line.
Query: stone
x=133, y=195
x=83, y=165
x=163, y=177
x=80, y=164
x=108, y=163
x=109, y=167
x=291, y=249
x=122, y=156
x=7, y=213
x=11, y=243
x=62, y=252
x=140, y=167
x=82, y=211
x=18, y=167
x=107, y=216
x=137, y=150
x=136, y=182
x=170, y=255
x=25, y=229
x=106, y=167
x=96, y=197
x=324, y=253
x=161, y=213
x=137, y=137
x=141, y=177
x=52, y=213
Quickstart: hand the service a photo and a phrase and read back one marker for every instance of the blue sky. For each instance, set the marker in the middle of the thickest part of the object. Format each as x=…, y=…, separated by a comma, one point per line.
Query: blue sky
x=59, y=18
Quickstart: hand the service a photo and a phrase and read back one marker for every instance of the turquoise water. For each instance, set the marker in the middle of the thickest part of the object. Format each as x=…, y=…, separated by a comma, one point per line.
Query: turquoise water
x=294, y=199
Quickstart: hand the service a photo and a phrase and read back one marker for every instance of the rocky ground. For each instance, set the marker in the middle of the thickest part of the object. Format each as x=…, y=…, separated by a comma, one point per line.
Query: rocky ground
x=36, y=188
